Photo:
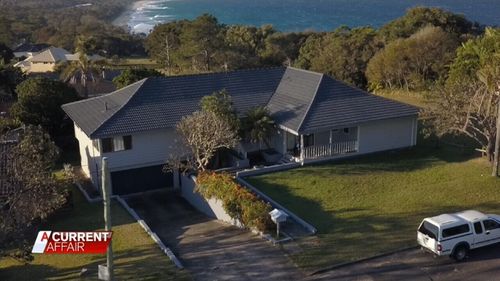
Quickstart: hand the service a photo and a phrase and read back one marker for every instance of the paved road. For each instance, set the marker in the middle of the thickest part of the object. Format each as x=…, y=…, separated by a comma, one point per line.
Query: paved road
x=211, y=250
x=414, y=265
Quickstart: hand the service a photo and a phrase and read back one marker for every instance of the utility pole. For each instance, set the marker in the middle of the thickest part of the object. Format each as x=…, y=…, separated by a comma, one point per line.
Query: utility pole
x=497, y=140
x=106, y=193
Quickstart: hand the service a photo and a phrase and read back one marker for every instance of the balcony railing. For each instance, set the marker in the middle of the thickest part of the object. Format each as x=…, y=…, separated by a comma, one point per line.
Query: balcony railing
x=329, y=150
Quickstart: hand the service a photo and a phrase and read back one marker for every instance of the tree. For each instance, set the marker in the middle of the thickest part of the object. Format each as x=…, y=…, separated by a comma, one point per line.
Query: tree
x=10, y=77
x=202, y=134
x=221, y=104
x=84, y=70
x=243, y=45
x=129, y=76
x=6, y=34
x=343, y=53
x=420, y=17
x=202, y=43
x=6, y=54
x=468, y=103
x=489, y=75
x=282, y=48
x=258, y=126
x=38, y=195
x=39, y=103
x=163, y=44
x=412, y=63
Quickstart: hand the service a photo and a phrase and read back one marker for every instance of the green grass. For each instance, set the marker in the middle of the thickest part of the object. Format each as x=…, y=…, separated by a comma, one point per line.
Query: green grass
x=136, y=255
x=374, y=204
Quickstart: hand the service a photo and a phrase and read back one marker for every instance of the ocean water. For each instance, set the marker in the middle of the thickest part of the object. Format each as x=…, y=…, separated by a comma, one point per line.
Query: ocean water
x=300, y=15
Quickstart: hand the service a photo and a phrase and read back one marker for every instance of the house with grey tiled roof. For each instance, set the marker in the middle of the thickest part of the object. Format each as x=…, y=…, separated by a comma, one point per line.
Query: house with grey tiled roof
x=317, y=117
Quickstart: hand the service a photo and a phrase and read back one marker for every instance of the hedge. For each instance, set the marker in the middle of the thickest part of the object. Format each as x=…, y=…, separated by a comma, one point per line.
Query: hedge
x=237, y=201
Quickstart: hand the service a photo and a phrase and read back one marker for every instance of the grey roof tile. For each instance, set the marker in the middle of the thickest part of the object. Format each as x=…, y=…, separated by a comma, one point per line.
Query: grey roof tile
x=293, y=97
x=160, y=102
x=337, y=104
x=52, y=54
x=300, y=100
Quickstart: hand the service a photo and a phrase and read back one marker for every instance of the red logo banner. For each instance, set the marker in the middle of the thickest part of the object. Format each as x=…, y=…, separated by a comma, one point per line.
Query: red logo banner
x=72, y=242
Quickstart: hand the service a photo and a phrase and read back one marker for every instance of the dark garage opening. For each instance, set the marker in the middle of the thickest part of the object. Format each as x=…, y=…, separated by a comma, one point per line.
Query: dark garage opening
x=140, y=180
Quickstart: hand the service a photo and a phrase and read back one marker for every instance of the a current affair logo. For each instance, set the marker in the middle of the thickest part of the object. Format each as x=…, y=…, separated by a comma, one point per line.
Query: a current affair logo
x=72, y=242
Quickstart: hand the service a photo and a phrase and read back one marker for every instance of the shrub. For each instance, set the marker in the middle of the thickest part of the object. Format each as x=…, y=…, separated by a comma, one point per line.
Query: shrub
x=237, y=201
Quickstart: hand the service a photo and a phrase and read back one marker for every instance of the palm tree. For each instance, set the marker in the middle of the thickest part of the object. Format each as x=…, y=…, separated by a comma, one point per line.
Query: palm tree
x=83, y=70
x=258, y=126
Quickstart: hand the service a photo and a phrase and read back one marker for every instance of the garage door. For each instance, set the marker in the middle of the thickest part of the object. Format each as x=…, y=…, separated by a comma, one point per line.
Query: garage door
x=140, y=180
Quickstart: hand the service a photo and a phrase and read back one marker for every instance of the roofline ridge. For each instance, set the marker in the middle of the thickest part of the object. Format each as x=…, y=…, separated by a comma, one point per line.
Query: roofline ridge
x=224, y=72
x=50, y=53
x=105, y=95
x=322, y=76
x=365, y=92
x=306, y=71
x=141, y=82
x=396, y=101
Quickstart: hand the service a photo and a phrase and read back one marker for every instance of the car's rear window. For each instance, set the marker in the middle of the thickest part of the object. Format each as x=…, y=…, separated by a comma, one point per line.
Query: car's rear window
x=457, y=230
x=429, y=229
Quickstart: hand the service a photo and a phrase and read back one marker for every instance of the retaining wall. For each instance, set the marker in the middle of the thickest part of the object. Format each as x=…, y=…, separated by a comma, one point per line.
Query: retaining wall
x=211, y=207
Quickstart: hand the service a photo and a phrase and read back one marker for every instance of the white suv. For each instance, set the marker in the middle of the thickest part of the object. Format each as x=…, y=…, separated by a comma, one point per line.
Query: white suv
x=455, y=234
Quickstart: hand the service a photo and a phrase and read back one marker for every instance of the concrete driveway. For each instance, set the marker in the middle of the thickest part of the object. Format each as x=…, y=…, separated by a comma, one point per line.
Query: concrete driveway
x=209, y=249
x=482, y=264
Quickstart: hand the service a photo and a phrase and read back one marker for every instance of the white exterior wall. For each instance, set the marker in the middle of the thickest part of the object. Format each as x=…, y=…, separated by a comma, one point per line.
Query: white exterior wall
x=387, y=134
x=148, y=149
x=211, y=207
x=89, y=155
x=41, y=67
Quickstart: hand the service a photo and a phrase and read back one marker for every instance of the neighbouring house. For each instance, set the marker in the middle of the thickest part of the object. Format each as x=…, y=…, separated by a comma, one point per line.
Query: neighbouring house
x=46, y=60
x=27, y=49
x=317, y=117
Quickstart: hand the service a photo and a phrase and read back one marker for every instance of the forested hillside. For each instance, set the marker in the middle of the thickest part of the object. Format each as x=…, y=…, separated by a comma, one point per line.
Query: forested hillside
x=59, y=22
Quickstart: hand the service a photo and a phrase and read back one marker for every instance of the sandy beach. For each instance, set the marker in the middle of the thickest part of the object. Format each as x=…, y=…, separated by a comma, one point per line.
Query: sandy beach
x=124, y=18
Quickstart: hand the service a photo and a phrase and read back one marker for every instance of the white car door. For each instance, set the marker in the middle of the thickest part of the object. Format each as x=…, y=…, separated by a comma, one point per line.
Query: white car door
x=480, y=237
x=491, y=231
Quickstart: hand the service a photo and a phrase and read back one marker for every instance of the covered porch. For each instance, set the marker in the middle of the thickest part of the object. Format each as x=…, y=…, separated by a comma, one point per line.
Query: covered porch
x=323, y=144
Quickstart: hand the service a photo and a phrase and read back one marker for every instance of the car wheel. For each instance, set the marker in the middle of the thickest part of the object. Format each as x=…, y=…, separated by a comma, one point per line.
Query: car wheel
x=460, y=253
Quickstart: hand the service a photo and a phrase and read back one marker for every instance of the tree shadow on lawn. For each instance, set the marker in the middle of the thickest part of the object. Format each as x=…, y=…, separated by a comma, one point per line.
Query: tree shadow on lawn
x=85, y=216
x=353, y=233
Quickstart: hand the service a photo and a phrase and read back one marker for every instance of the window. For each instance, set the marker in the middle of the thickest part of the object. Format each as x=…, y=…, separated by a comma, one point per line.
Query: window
x=490, y=224
x=429, y=229
x=127, y=141
x=346, y=130
x=478, y=228
x=107, y=145
x=116, y=144
x=452, y=231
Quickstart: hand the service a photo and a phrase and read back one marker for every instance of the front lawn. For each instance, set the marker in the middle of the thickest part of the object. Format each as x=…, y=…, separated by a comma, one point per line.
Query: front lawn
x=374, y=204
x=136, y=255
